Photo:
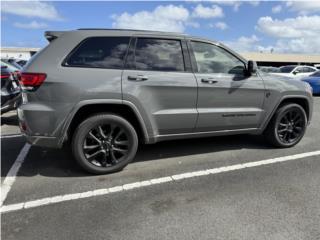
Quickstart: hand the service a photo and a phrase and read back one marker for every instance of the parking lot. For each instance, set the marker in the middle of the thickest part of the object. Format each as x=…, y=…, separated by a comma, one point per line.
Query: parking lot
x=210, y=188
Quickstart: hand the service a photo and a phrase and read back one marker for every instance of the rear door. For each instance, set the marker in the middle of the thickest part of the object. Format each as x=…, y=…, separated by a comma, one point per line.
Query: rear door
x=228, y=99
x=158, y=80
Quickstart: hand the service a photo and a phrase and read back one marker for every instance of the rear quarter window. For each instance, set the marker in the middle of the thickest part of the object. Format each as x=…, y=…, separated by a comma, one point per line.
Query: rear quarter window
x=99, y=52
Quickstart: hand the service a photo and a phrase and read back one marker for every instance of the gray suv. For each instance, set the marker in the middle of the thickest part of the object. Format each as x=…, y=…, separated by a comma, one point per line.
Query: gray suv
x=107, y=90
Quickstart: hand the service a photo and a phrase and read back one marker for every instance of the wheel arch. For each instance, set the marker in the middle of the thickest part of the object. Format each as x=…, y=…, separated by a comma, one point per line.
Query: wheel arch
x=122, y=108
x=303, y=101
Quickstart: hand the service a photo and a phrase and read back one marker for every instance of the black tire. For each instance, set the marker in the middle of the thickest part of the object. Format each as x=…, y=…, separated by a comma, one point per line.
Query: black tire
x=86, y=140
x=279, y=129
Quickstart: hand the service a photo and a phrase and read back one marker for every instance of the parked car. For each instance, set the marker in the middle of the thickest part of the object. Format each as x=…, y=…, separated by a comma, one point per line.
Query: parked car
x=11, y=63
x=12, y=68
x=21, y=62
x=106, y=91
x=269, y=69
x=295, y=71
x=314, y=81
x=10, y=90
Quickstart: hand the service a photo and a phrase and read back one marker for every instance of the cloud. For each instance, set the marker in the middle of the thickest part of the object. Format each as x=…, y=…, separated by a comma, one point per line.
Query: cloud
x=207, y=12
x=295, y=35
x=276, y=9
x=244, y=44
x=234, y=4
x=301, y=26
x=31, y=9
x=30, y=25
x=163, y=18
x=219, y=25
x=304, y=7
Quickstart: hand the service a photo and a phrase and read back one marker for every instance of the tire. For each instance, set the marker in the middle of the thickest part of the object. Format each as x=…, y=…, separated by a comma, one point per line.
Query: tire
x=278, y=135
x=104, y=152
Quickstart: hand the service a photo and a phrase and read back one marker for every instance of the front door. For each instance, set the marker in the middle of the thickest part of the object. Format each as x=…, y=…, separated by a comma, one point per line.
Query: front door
x=228, y=99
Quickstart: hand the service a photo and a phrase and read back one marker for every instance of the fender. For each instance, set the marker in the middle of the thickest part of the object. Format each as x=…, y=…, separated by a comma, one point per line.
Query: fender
x=147, y=136
x=283, y=98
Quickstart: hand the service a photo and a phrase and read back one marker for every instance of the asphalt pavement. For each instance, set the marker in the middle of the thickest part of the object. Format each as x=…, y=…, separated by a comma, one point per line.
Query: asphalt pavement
x=274, y=201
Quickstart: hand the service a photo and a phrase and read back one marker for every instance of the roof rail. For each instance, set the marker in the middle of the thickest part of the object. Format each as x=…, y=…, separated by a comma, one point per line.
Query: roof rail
x=133, y=30
x=117, y=29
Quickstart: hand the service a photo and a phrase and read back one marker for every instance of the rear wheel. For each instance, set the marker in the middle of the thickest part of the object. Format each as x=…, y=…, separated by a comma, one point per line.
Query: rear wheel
x=287, y=127
x=104, y=143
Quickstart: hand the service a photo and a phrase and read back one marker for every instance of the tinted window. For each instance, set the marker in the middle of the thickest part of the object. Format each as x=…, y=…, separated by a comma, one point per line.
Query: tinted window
x=100, y=52
x=287, y=69
x=213, y=59
x=159, y=55
x=308, y=69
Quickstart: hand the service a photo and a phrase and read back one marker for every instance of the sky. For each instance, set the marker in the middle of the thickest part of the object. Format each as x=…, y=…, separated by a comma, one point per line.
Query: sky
x=246, y=26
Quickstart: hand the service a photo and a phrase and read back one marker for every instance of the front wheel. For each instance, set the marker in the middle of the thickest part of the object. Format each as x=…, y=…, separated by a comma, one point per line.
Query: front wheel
x=287, y=127
x=104, y=143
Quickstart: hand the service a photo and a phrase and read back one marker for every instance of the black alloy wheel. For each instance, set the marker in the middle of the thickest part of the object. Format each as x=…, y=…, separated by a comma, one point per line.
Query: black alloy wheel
x=287, y=126
x=104, y=143
x=291, y=126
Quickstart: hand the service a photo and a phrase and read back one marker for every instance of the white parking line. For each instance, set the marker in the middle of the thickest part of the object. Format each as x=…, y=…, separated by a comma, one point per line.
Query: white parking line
x=11, y=176
x=11, y=136
x=135, y=185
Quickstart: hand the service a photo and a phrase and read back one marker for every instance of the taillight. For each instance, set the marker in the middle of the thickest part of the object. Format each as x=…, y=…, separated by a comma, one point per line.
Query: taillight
x=31, y=81
x=4, y=76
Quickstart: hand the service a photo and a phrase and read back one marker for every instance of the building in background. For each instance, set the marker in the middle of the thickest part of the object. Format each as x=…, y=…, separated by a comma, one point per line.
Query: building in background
x=18, y=53
x=278, y=60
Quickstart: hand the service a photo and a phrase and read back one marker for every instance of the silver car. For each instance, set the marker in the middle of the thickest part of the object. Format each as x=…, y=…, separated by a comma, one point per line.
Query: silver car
x=106, y=91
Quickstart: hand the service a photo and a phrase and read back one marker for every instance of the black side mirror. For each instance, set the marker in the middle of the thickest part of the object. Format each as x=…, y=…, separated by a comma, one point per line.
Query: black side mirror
x=295, y=72
x=252, y=67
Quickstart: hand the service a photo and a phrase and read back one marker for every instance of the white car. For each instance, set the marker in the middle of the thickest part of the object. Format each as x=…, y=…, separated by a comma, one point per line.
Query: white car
x=295, y=71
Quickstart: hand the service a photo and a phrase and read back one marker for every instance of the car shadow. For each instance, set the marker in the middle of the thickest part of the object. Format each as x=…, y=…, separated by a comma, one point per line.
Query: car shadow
x=60, y=163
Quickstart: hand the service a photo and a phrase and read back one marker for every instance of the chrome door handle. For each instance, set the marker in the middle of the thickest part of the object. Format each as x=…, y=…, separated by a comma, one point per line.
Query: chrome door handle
x=208, y=80
x=138, y=78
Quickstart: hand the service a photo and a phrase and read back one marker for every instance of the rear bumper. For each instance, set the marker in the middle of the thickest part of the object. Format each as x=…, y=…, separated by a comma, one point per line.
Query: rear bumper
x=49, y=142
x=38, y=125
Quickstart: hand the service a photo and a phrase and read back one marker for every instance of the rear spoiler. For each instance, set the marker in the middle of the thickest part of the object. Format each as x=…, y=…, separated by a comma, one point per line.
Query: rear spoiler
x=52, y=35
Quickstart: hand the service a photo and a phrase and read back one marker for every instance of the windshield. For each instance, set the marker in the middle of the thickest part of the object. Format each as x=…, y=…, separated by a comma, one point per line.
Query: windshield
x=316, y=74
x=287, y=69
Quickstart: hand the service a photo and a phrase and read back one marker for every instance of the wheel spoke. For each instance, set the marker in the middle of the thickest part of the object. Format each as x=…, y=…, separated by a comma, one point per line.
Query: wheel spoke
x=294, y=134
x=286, y=118
x=90, y=147
x=285, y=136
x=297, y=117
x=119, y=134
x=95, y=154
x=104, y=159
x=299, y=129
x=124, y=143
x=113, y=158
x=94, y=137
x=112, y=128
x=123, y=151
x=282, y=130
x=102, y=132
